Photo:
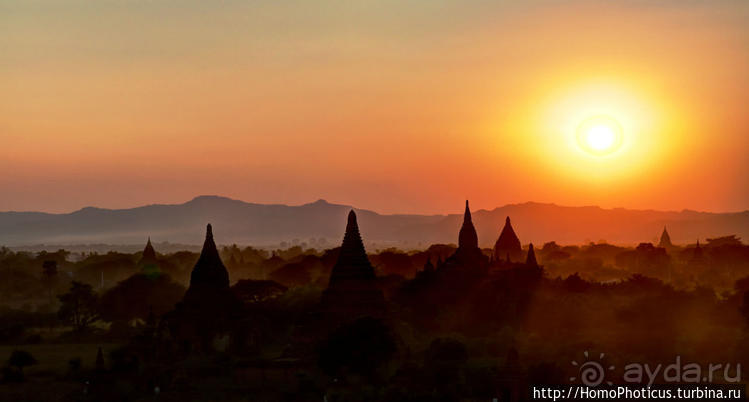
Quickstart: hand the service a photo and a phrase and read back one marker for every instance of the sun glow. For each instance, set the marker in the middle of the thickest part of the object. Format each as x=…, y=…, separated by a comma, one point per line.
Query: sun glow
x=603, y=131
x=601, y=138
x=600, y=135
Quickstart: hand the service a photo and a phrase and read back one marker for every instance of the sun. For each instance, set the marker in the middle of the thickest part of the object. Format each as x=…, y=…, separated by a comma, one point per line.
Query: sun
x=600, y=135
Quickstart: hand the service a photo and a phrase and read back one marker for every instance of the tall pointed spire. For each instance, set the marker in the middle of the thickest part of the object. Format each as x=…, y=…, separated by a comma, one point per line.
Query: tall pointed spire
x=209, y=271
x=665, y=239
x=467, y=238
x=530, y=261
x=507, y=243
x=352, y=260
x=209, y=307
x=148, y=262
x=352, y=287
x=149, y=254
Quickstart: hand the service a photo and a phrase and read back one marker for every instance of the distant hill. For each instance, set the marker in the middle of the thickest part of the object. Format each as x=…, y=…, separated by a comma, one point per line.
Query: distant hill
x=260, y=224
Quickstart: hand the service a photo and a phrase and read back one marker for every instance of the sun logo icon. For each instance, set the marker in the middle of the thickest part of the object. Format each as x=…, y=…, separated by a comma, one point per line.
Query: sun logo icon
x=591, y=372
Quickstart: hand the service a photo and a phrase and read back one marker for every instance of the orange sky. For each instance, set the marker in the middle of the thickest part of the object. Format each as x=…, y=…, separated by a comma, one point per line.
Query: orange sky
x=388, y=105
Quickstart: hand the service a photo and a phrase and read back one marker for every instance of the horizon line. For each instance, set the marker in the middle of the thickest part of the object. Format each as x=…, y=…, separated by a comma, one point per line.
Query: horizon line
x=319, y=200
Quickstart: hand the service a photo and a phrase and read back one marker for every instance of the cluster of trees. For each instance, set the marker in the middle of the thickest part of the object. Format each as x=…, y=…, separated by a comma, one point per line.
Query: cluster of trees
x=18, y=360
x=717, y=263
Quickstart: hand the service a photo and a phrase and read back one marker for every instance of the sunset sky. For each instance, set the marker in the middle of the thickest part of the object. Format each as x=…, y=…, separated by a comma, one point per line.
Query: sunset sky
x=395, y=106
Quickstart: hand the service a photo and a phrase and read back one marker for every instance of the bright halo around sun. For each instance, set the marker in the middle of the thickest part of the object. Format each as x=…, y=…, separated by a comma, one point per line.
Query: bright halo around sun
x=600, y=135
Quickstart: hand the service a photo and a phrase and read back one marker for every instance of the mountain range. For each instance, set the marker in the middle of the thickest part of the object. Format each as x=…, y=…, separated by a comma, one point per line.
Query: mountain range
x=322, y=223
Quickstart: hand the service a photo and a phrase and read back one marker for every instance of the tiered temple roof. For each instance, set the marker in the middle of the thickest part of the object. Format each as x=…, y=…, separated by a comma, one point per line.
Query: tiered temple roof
x=352, y=288
x=353, y=263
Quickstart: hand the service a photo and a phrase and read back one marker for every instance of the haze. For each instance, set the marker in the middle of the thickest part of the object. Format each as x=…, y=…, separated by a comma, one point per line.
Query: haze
x=392, y=106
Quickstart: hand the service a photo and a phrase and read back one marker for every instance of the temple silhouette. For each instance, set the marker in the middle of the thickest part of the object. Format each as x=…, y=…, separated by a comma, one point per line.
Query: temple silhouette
x=149, y=254
x=212, y=316
x=468, y=253
x=336, y=322
x=352, y=289
x=209, y=317
x=665, y=241
x=148, y=263
x=508, y=246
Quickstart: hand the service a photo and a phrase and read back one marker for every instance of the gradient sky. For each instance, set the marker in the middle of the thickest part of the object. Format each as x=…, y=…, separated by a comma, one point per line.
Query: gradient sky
x=396, y=106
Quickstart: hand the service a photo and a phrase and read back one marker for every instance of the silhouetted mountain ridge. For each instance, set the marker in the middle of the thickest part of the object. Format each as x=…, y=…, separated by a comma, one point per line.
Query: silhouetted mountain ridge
x=242, y=222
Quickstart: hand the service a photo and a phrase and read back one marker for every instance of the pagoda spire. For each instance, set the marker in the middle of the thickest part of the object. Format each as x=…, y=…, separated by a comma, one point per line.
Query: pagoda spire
x=530, y=261
x=352, y=288
x=507, y=242
x=352, y=261
x=209, y=271
x=148, y=262
x=665, y=239
x=149, y=253
x=209, y=308
x=467, y=238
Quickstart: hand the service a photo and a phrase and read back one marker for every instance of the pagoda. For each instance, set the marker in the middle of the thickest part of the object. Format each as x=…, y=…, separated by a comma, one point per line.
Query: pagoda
x=352, y=290
x=208, y=316
x=530, y=260
x=468, y=240
x=468, y=252
x=209, y=276
x=508, y=244
x=665, y=240
x=148, y=263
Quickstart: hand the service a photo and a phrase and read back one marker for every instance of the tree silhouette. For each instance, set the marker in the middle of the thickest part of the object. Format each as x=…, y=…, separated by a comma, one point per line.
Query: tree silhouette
x=20, y=359
x=79, y=306
x=137, y=296
x=49, y=268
